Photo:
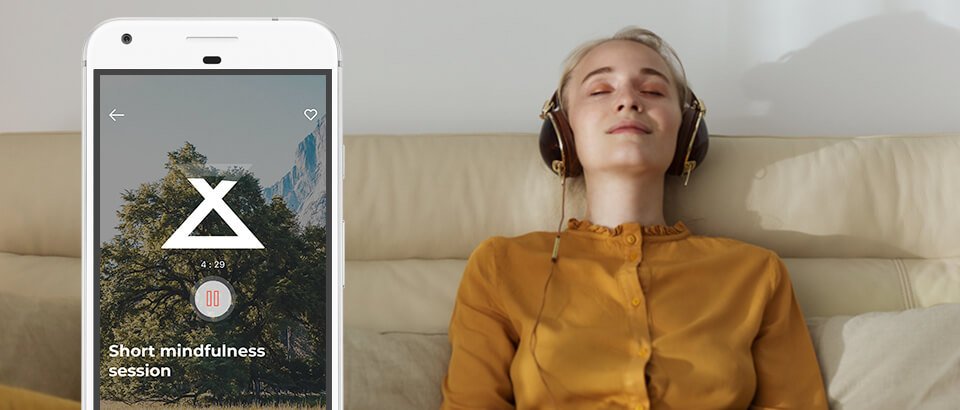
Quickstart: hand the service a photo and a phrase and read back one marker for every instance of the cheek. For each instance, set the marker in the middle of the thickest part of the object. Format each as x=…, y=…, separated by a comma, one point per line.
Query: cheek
x=670, y=120
x=584, y=125
x=585, y=141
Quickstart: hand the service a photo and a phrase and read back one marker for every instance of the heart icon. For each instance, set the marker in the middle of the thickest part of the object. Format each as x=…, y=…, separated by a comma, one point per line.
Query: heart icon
x=310, y=113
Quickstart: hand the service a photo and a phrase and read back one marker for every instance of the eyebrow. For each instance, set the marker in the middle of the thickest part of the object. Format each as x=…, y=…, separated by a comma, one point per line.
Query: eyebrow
x=608, y=69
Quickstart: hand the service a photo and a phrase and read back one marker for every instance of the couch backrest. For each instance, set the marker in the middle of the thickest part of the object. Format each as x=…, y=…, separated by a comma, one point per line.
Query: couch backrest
x=854, y=197
x=864, y=223
x=40, y=193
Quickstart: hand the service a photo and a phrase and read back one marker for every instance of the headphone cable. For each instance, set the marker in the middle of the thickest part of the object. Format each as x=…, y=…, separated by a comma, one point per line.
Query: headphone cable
x=543, y=298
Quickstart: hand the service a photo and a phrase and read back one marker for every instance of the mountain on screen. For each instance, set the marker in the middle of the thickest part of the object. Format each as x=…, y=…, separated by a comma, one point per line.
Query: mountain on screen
x=304, y=188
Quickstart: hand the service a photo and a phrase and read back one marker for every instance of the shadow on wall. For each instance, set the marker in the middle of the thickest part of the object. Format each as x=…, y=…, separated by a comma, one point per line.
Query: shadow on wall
x=890, y=84
x=730, y=212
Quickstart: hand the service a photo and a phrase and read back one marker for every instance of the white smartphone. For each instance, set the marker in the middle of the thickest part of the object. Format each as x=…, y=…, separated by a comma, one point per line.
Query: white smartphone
x=212, y=227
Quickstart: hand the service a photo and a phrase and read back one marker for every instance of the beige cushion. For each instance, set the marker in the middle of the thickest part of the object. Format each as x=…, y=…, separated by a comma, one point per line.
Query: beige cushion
x=41, y=181
x=40, y=324
x=891, y=360
x=417, y=295
x=848, y=286
x=412, y=295
x=437, y=196
x=839, y=197
x=393, y=370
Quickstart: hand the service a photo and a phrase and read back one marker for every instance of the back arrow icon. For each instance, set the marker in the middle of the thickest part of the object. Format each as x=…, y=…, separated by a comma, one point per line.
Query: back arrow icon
x=113, y=115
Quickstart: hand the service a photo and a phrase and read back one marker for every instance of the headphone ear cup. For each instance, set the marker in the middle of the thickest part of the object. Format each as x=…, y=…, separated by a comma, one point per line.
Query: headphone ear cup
x=700, y=144
x=549, y=145
x=557, y=143
x=701, y=141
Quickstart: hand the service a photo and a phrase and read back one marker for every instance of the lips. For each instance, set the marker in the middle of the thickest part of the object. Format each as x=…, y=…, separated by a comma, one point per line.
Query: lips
x=629, y=127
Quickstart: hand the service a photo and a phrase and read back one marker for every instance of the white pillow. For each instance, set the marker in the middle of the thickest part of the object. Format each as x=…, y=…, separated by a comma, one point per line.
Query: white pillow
x=891, y=360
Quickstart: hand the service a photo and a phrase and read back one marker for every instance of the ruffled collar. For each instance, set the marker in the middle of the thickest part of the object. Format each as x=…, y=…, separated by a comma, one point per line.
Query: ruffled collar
x=677, y=230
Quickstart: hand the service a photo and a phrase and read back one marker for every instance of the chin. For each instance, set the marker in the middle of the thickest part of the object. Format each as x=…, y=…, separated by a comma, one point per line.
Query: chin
x=632, y=165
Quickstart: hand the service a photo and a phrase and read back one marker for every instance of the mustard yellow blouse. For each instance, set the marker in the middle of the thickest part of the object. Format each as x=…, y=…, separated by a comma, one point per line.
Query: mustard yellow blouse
x=636, y=317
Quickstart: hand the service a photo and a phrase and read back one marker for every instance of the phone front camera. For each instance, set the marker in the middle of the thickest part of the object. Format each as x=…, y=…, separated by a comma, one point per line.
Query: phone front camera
x=126, y=38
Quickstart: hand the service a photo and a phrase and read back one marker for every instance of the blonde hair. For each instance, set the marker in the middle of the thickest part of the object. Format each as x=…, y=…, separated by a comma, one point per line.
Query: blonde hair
x=638, y=35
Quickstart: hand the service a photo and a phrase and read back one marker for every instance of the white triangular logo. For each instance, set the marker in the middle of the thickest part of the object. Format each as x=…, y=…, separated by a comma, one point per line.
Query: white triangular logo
x=212, y=201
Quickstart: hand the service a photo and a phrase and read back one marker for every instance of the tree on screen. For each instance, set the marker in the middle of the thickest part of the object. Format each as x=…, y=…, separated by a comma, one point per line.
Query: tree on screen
x=145, y=294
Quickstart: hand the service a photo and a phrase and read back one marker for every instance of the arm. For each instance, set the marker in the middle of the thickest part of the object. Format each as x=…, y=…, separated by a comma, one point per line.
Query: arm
x=482, y=339
x=788, y=375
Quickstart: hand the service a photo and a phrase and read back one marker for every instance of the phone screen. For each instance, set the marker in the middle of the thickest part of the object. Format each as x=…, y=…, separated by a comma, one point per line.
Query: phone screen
x=210, y=225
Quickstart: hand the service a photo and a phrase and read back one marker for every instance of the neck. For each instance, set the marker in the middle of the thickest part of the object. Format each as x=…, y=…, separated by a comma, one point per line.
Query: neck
x=613, y=199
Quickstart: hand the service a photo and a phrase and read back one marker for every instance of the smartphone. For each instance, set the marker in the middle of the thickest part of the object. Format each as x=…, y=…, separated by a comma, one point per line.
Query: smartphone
x=212, y=248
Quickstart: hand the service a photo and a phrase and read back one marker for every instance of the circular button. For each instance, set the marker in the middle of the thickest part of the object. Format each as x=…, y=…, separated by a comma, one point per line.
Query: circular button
x=632, y=239
x=644, y=350
x=635, y=301
x=213, y=298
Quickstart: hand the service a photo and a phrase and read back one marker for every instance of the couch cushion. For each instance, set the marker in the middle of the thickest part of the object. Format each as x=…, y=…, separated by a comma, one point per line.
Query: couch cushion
x=393, y=370
x=840, y=197
x=438, y=196
x=408, y=295
x=891, y=360
x=850, y=286
x=417, y=295
x=40, y=322
x=41, y=178
x=864, y=223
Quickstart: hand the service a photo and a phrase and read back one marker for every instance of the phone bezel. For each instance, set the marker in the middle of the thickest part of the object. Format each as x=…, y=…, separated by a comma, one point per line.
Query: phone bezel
x=243, y=44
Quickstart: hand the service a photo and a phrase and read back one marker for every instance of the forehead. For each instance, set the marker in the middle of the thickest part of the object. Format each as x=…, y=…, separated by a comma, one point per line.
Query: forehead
x=621, y=56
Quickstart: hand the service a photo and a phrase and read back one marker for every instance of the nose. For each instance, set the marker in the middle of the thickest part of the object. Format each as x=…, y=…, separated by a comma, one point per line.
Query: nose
x=629, y=101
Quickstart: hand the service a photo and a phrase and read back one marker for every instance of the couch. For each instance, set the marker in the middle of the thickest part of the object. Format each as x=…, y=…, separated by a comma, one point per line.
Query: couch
x=868, y=226
x=40, y=277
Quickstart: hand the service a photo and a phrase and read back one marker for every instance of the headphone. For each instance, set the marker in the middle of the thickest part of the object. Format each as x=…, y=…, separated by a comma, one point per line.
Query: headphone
x=560, y=154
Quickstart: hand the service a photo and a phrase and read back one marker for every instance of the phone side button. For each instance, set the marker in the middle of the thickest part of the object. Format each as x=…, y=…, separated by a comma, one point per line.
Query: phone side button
x=343, y=281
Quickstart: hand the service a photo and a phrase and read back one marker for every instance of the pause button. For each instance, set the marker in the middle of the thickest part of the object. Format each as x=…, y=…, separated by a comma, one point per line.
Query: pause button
x=213, y=298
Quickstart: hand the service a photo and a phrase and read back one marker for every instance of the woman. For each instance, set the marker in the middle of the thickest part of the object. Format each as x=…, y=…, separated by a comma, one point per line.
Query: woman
x=634, y=313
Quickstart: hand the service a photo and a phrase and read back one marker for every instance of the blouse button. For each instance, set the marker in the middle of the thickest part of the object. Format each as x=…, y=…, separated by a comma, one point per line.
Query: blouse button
x=644, y=350
x=635, y=302
x=632, y=239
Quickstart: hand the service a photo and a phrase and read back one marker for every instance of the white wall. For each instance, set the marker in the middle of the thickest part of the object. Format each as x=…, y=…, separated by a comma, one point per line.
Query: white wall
x=789, y=67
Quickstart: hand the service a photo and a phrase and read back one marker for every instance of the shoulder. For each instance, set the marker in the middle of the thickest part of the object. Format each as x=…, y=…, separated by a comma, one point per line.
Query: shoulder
x=504, y=247
x=730, y=245
x=498, y=255
x=762, y=260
